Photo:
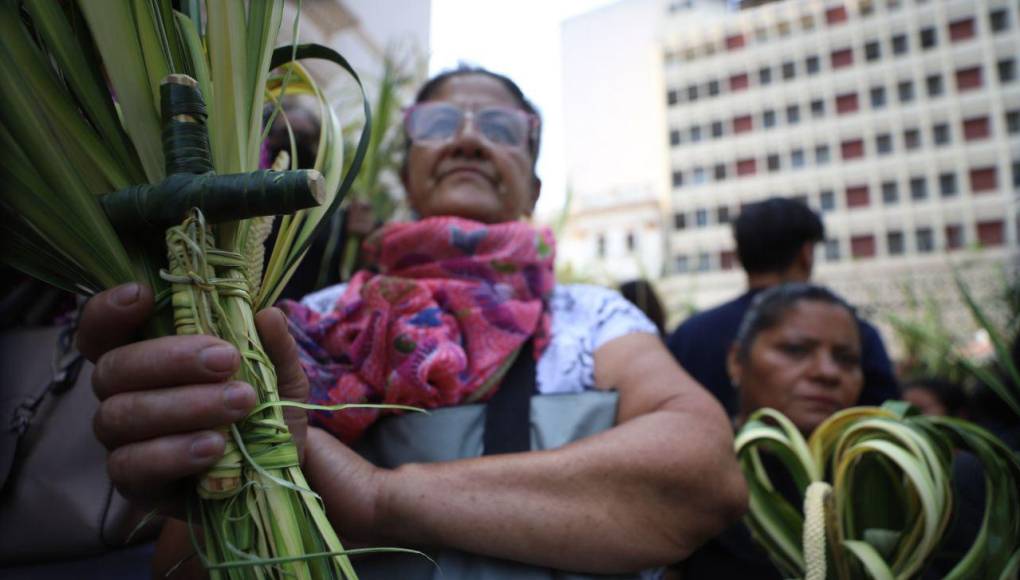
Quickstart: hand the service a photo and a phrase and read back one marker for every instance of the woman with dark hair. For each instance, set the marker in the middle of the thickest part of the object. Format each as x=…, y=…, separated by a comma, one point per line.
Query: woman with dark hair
x=642, y=294
x=463, y=308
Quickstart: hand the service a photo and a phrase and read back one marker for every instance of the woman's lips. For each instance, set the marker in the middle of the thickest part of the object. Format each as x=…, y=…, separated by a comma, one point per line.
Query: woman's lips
x=465, y=172
x=822, y=401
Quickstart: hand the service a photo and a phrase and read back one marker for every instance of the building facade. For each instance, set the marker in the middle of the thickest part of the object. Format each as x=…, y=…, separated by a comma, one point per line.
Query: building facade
x=898, y=120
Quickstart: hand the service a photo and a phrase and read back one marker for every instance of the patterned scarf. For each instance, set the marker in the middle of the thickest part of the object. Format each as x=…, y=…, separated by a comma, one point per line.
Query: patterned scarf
x=438, y=325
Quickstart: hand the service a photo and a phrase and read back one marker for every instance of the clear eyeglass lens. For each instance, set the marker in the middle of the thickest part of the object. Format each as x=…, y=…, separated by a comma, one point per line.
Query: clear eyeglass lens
x=438, y=122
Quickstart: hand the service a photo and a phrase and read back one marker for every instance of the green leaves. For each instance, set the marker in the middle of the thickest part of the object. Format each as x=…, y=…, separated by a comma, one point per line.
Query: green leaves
x=891, y=474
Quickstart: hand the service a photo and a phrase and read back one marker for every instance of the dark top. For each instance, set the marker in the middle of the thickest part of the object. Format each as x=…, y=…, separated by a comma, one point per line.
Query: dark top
x=702, y=343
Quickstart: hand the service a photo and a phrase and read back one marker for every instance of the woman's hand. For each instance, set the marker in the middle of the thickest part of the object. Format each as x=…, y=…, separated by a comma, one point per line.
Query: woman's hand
x=161, y=400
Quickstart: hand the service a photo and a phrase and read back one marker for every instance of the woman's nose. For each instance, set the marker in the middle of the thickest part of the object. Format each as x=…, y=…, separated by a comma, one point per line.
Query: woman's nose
x=825, y=367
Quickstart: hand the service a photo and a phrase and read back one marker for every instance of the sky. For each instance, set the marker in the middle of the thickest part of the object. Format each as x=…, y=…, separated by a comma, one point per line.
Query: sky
x=521, y=39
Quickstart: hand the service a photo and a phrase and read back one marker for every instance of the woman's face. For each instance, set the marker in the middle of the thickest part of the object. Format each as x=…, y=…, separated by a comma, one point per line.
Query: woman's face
x=467, y=175
x=806, y=367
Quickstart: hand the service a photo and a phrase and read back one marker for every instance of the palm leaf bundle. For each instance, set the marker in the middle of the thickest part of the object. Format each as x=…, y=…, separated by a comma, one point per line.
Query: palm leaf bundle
x=876, y=489
x=121, y=117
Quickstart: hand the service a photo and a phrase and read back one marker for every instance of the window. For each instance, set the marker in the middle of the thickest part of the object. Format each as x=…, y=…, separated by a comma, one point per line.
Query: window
x=817, y=108
x=1007, y=70
x=793, y=114
x=674, y=137
x=742, y=124
x=765, y=76
x=852, y=149
x=827, y=200
x=812, y=64
x=719, y=172
x=911, y=138
x=899, y=44
x=783, y=28
x=883, y=144
x=1013, y=122
x=722, y=214
x=940, y=134
x=631, y=241
x=976, y=128
x=968, y=78
x=739, y=82
x=822, y=154
x=678, y=179
x=717, y=129
x=768, y=118
x=998, y=20
x=918, y=188
x=890, y=192
x=746, y=167
x=831, y=250
x=858, y=196
x=983, y=179
x=933, y=84
x=680, y=221
x=961, y=29
x=800, y=198
x=772, y=162
x=672, y=97
x=797, y=158
x=727, y=259
x=701, y=217
x=846, y=103
x=866, y=7
x=947, y=184
x=695, y=134
x=872, y=50
x=954, y=237
x=991, y=233
x=735, y=42
x=905, y=91
x=835, y=15
x=692, y=93
x=894, y=243
x=862, y=246
x=928, y=38
x=807, y=22
x=924, y=239
x=681, y=264
x=1016, y=175
x=600, y=246
x=713, y=88
x=877, y=95
x=704, y=262
x=789, y=70
x=842, y=57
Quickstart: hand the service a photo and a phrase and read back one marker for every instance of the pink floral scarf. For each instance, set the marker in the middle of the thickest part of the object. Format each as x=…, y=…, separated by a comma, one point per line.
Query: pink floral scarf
x=451, y=304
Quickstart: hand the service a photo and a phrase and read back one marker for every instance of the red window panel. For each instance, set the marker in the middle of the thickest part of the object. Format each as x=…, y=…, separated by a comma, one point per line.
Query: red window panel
x=954, y=237
x=747, y=166
x=846, y=103
x=852, y=149
x=857, y=196
x=968, y=78
x=991, y=233
x=835, y=15
x=976, y=128
x=742, y=124
x=739, y=82
x=727, y=259
x=862, y=246
x=961, y=29
x=983, y=179
x=842, y=58
x=734, y=42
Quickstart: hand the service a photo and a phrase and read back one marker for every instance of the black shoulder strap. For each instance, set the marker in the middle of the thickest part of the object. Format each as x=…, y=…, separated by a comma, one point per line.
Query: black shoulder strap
x=508, y=412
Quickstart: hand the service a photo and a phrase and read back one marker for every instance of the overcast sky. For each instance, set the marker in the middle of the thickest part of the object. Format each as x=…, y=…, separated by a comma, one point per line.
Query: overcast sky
x=521, y=39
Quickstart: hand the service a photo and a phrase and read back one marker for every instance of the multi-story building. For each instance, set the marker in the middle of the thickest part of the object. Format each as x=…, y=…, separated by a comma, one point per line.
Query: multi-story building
x=898, y=120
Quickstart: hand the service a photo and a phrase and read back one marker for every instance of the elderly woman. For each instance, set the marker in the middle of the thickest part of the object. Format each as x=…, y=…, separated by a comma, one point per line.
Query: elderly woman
x=798, y=351
x=643, y=493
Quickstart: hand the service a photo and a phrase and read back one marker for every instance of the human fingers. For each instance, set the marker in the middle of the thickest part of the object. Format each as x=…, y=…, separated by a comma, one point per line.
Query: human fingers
x=163, y=362
x=153, y=472
x=130, y=417
x=290, y=377
x=113, y=318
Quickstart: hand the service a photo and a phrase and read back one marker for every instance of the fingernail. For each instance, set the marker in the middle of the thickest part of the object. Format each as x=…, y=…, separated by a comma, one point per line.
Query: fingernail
x=220, y=358
x=126, y=295
x=238, y=396
x=207, y=445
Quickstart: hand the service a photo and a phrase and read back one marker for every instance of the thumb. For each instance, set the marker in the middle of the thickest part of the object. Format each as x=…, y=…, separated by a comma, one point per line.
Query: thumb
x=291, y=381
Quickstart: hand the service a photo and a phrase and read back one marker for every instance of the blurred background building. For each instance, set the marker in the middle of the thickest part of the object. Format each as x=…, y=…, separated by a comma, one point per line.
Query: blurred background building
x=898, y=120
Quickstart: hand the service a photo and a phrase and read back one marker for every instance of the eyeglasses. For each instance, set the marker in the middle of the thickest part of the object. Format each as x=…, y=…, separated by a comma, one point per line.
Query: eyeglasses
x=434, y=122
